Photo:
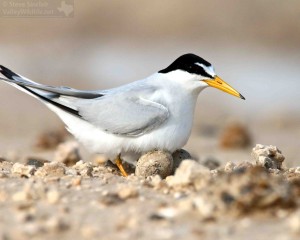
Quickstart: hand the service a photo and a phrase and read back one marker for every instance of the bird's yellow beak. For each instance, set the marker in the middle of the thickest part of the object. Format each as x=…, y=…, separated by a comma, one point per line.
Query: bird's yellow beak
x=223, y=86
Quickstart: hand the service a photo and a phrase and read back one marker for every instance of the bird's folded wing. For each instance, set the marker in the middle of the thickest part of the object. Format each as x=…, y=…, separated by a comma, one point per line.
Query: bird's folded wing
x=119, y=111
x=123, y=115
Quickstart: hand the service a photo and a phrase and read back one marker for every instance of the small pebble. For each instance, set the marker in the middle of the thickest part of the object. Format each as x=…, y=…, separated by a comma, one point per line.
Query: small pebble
x=109, y=199
x=56, y=224
x=243, y=165
x=165, y=213
x=84, y=169
x=189, y=172
x=210, y=162
x=268, y=156
x=53, y=196
x=229, y=167
x=76, y=181
x=21, y=196
x=5, y=166
x=155, y=181
x=53, y=169
x=128, y=192
x=22, y=170
x=37, y=163
x=204, y=207
x=99, y=160
x=67, y=153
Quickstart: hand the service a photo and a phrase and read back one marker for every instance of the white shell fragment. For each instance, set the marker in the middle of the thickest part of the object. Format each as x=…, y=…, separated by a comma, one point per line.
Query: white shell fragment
x=268, y=156
x=154, y=163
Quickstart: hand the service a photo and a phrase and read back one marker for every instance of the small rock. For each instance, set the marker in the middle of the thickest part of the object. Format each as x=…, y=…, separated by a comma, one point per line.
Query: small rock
x=99, y=160
x=21, y=196
x=188, y=173
x=22, y=170
x=268, y=156
x=155, y=162
x=229, y=167
x=155, y=181
x=205, y=208
x=24, y=217
x=243, y=166
x=67, y=153
x=53, y=196
x=235, y=135
x=83, y=169
x=56, y=224
x=210, y=162
x=76, y=181
x=165, y=213
x=53, y=169
x=5, y=166
x=108, y=199
x=71, y=172
x=128, y=192
x=37, y=163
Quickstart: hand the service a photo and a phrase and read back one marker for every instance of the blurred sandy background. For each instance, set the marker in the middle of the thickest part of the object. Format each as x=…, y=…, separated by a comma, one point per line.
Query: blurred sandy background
x=254, y=46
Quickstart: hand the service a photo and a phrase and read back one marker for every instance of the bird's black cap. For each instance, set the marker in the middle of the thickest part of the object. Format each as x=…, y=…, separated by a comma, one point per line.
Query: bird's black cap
x=188, y=62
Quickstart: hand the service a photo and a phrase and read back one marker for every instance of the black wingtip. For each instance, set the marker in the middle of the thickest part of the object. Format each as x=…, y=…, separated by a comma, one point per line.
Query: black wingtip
x=242, y=97
x=7, y=73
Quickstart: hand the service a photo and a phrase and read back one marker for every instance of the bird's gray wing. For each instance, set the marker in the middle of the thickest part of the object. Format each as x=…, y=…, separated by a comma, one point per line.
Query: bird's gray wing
x=123, y=115
x=122, y=111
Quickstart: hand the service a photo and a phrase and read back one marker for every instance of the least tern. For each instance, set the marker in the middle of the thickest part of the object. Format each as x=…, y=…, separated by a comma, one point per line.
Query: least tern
x=153, y=113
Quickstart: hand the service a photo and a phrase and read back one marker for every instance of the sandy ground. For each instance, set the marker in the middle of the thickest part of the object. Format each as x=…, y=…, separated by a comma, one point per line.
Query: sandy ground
x=90, y=200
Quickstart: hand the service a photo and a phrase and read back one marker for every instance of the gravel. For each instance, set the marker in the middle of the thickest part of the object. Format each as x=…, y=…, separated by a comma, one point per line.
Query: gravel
x=92, y=201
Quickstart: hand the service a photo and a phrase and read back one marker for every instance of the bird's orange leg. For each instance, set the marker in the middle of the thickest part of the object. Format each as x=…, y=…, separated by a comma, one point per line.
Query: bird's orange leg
x=120, y=166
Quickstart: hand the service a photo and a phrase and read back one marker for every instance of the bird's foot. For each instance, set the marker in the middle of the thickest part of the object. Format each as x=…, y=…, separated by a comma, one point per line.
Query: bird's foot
x=120, y=166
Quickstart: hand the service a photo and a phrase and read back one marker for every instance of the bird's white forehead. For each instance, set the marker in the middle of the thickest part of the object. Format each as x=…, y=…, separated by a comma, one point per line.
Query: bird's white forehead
x=209, y=69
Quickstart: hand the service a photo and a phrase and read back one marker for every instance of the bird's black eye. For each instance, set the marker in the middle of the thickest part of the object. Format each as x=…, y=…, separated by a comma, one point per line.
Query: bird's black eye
x=199, y=70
